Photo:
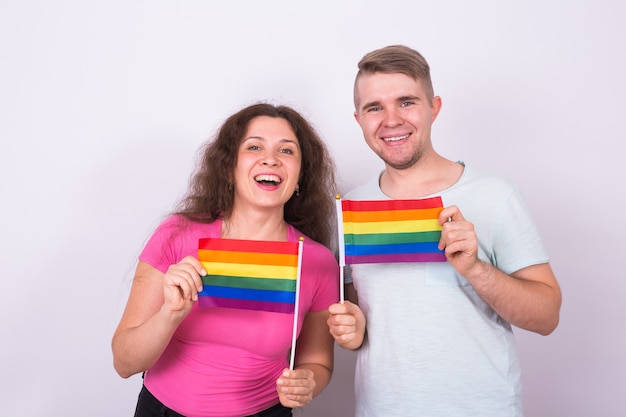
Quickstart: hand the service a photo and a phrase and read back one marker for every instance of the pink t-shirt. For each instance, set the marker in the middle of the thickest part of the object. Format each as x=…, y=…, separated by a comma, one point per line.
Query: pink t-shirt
x=225, y=362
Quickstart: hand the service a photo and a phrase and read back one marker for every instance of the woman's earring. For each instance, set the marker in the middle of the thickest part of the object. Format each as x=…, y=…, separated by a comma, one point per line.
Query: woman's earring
x=297, y=190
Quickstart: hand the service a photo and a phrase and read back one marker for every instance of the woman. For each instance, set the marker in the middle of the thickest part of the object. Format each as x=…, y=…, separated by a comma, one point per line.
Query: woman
x=266, y=176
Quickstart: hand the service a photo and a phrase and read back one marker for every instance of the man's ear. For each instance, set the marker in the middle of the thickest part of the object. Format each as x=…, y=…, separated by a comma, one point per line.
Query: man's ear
x=436, y=106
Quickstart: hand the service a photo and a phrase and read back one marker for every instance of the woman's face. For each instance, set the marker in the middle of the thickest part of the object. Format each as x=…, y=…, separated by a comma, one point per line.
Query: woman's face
x=268, y=164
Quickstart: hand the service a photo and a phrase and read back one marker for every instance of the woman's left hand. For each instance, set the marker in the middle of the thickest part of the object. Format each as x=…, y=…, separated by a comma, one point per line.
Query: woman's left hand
x=295, y=387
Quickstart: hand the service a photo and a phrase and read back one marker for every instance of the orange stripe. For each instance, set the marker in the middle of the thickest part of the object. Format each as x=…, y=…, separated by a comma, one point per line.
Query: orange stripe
x=390, y=215
x=255, y=258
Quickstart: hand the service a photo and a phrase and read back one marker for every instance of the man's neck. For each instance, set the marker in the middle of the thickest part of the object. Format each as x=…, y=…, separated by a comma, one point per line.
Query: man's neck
x=420, y=180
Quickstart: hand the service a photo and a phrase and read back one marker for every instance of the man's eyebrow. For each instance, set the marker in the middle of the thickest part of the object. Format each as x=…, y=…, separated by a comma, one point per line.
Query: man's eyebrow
x=370, y=104
x=400, y=99
x=407, y=98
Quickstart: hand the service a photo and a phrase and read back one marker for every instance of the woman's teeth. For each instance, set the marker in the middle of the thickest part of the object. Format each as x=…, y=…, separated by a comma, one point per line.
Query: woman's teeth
x=274, y=179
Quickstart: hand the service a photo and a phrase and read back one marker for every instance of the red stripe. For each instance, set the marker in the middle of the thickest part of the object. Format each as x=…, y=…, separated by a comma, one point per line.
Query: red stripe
x=239, y=245
x=377, y=205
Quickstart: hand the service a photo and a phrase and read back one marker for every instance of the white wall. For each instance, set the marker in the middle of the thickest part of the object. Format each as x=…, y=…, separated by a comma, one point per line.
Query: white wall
x=103, y=105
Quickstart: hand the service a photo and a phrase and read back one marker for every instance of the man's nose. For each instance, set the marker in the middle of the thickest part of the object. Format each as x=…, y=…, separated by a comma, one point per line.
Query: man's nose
x=392, y=117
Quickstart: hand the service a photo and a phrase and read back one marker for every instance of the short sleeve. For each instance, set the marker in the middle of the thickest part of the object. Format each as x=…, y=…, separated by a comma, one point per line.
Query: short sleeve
x=323, y=274
x=175, y=239
x=517, y=243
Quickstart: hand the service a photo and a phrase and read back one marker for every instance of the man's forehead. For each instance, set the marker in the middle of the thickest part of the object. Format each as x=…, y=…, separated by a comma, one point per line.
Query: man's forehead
x=383, y=86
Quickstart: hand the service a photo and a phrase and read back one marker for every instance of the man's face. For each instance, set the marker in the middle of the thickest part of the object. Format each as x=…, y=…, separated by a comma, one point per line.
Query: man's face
x=395, y=115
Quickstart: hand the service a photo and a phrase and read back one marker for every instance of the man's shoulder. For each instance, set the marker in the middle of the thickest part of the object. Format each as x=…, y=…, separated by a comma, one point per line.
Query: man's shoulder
x=484, y=180
x=369, y=190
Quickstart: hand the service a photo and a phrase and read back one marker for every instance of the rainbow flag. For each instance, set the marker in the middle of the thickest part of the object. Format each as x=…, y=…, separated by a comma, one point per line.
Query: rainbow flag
x=249, y=274
x=384, y=231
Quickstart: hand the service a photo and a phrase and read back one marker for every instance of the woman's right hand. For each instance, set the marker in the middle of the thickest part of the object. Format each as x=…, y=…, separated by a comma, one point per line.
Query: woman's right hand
x=156, y=305
x=181, y=284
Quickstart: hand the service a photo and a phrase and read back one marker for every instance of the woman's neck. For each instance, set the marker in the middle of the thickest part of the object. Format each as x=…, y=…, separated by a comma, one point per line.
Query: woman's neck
x=255, y=226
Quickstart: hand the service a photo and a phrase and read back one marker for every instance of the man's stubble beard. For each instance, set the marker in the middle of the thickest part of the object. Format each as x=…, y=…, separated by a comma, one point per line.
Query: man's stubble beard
x=414, y=158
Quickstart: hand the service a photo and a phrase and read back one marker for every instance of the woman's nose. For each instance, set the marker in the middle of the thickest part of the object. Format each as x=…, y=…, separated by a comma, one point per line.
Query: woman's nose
x=270, y=159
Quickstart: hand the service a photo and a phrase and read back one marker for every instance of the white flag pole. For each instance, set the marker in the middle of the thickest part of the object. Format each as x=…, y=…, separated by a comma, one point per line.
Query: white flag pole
x=342, y=247
x=296, y=306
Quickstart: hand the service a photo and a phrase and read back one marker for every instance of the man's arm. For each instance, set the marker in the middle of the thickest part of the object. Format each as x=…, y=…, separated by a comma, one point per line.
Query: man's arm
x=529, y=298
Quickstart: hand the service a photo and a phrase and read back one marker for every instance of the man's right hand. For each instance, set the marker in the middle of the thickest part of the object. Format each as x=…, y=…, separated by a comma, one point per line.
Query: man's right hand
x=347, y=324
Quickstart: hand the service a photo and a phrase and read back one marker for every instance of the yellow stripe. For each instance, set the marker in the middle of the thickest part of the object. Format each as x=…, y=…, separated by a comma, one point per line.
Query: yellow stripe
x=252, y=271
x=408, y=226
x=257, y=258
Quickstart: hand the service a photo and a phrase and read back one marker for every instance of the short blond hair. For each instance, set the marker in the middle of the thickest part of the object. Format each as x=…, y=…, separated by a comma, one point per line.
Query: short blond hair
x=396, y=59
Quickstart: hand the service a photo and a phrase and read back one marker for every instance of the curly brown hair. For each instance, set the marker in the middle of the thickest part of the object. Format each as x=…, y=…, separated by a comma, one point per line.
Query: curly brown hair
x=211, y=191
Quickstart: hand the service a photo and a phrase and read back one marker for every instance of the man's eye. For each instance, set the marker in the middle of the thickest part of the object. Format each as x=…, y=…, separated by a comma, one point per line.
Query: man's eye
x=406, y=103
x=372, y=109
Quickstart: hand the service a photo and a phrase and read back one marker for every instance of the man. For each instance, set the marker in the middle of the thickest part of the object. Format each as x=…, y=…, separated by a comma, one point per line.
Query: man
x=435, y=339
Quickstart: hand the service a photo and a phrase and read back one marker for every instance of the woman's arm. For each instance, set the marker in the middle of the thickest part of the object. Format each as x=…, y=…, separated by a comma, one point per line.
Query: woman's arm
x=156, y=305
x=313, y=363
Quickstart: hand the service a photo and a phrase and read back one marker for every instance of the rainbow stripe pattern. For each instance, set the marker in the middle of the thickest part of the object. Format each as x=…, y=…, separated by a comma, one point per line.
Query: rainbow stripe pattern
x=384, y=231
x=249, y=274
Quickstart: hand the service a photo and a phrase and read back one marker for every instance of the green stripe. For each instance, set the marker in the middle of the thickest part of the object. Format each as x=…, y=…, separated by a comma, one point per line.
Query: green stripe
x=392, y=238
x=251, y=283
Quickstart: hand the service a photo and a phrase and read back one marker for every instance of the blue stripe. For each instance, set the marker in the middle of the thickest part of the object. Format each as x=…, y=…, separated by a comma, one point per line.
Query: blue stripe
x=360, y=250
x=248, y=294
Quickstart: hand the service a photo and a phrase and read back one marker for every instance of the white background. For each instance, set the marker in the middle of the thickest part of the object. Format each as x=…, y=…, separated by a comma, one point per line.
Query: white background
x=104, y=104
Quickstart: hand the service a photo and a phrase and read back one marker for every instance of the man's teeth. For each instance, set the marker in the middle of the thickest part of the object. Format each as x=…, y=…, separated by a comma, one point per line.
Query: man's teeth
x=395, y=138
x=268, y=178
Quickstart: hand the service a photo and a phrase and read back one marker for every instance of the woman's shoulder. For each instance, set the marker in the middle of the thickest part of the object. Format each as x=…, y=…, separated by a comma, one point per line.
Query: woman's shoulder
x=177, y=225
x=310, y=247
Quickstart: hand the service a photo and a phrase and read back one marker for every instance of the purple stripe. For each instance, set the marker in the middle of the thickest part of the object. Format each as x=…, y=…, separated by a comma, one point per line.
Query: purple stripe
x=396, y=257
x=246, y=304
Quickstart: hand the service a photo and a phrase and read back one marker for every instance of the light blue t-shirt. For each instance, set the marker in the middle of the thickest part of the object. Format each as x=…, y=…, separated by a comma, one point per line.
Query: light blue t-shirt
x=434, y=348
